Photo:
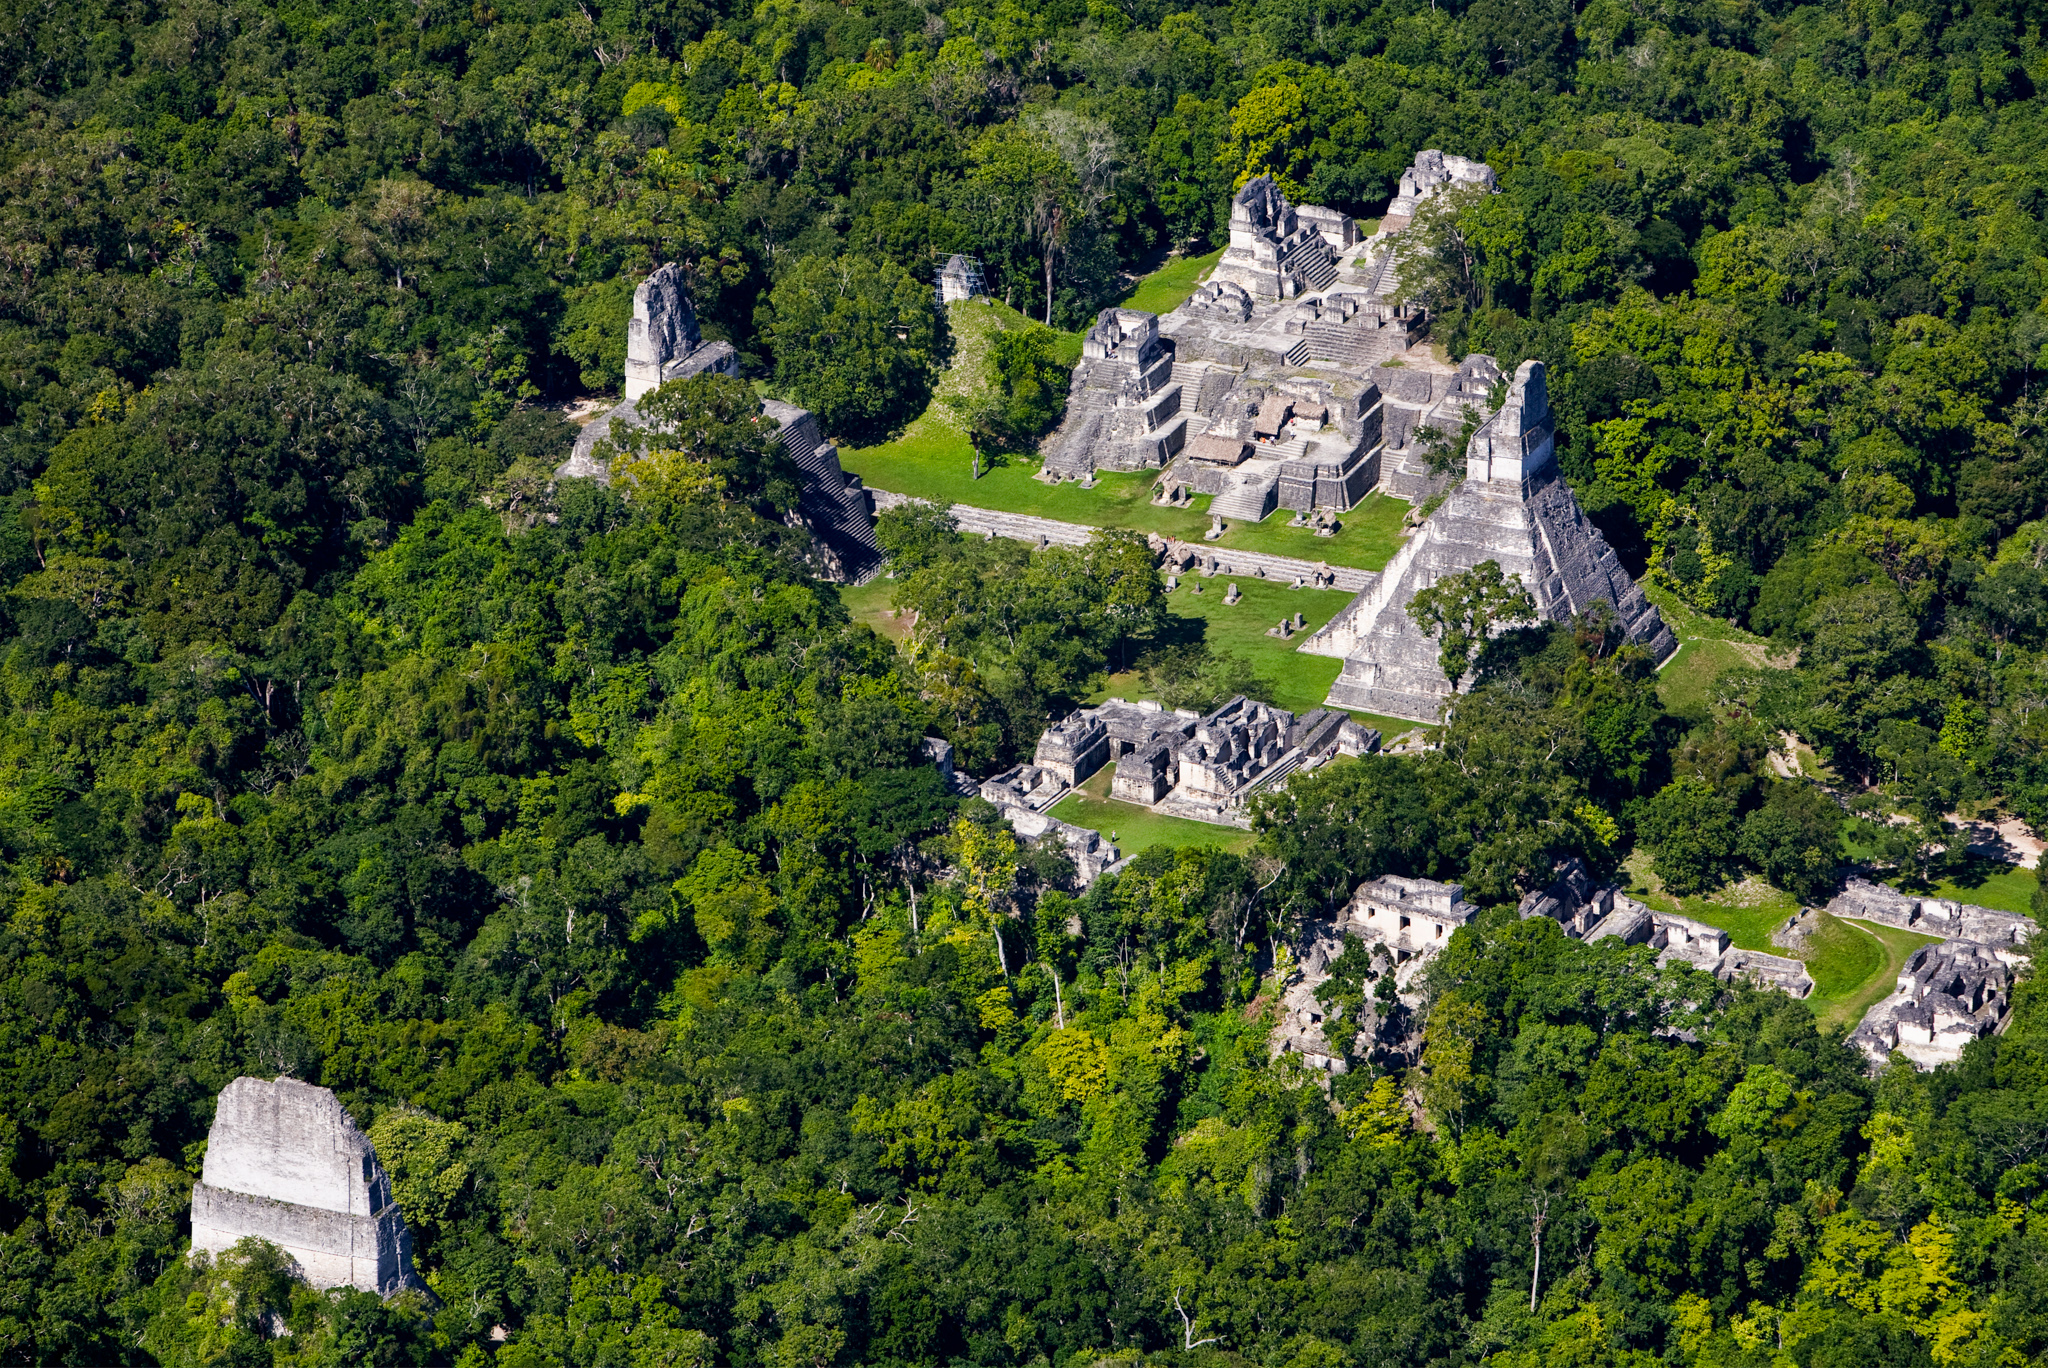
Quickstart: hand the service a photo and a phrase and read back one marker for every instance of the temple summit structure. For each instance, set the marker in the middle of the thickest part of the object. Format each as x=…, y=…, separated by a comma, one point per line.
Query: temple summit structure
x=284, y=1163
x=663, y=344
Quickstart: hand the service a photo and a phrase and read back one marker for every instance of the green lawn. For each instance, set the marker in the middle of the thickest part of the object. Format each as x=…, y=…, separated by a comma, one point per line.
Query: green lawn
x=1297, y=682
x=1686, y=682
x=1846, y=1007
x=1748, y=912
x=1369, y=536
x=1707, y=646
x=1135, y=827
x=1166, y=288
x=869, y=603
x=1852, y=965
x=932, y=460
x=1986, y=883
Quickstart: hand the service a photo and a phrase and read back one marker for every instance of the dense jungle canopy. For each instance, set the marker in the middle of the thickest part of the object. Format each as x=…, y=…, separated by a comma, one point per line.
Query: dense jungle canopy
x=588, y=850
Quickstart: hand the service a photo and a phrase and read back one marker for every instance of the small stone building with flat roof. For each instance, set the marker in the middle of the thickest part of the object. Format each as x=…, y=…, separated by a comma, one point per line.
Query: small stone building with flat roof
x=1411, y=917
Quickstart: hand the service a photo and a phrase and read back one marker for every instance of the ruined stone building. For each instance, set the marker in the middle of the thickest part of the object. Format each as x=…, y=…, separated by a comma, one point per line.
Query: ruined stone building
x=1590, y=912
x=662, y=341
x=285, y=1163
x=1123, y=405
x=1291, y=380
x=1205, y=768
x=833, y=504
x=1413, y=918
x=663, y=344
x=2004, y=932
x=1948, y=994
x=1432, y=173
x=1420, y=406
x=959, y=278
x=1276, y=252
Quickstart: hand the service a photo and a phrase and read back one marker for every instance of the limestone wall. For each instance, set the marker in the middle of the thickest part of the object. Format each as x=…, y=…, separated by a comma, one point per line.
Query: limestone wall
x=373, y=1253
x=285, y=1163
x=292, y=1142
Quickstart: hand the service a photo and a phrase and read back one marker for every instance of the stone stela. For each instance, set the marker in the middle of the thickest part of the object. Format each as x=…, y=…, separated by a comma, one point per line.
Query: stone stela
x=285, y=1163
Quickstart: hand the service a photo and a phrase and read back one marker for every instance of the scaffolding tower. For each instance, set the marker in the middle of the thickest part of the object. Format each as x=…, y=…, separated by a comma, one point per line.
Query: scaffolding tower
x=958, y=276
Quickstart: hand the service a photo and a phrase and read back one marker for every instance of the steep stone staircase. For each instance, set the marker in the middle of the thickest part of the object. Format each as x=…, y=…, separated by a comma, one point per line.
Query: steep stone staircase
x=1351, y=345
x=1315, y=263
x=835, y=506
x=1246, y=501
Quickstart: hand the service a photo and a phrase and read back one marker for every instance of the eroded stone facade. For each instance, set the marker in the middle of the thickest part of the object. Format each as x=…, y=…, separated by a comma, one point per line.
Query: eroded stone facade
x=1590, y=912
x=285, y=1163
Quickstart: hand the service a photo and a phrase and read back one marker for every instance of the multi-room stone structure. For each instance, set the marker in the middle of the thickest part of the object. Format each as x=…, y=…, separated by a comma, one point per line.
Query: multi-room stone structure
x=1291, y=381
x=1590, y=912
x=1413, y=918
x=1202, y=767
x=284, y=1163
x=663, y=344
x=1433, y=173
x=1948, y=994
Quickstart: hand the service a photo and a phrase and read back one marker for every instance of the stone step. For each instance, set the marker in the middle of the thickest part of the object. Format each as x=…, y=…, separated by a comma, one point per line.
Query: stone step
x=1297, y=355
x=1360, y=348
x=1247, y=502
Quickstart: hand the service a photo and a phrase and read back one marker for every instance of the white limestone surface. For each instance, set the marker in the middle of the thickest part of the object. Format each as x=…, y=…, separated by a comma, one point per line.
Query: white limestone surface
x=285, y=1163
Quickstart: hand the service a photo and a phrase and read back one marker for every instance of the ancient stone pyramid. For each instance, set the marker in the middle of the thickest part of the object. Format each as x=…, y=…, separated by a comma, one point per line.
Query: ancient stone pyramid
x=1513, y=507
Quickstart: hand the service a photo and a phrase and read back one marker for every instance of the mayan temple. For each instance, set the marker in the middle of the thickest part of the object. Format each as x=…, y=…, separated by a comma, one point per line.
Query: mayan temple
x=1513, y=507
x=1297, y=379
x=284, y=1163
x=663, y=344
